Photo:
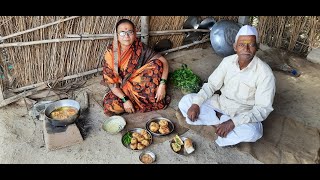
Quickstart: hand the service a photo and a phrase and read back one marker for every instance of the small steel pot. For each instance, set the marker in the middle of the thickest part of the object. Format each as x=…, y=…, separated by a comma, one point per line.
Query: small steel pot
x=62, y=103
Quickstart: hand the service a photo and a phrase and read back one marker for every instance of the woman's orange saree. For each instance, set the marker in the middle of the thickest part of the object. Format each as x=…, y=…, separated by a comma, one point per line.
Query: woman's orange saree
x=138, y=76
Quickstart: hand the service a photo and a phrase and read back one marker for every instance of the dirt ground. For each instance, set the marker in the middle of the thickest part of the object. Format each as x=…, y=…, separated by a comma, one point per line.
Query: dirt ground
x=21, y=136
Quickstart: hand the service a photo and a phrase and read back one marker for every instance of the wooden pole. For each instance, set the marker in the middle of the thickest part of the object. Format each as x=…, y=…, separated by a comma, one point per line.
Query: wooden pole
x=1, y=94
x=40, y=27
x=77, y=37
x=100, y=69
x=21, y=95
x=185, y=46
x=151, y=33
x=65, y=78
x=145, y=29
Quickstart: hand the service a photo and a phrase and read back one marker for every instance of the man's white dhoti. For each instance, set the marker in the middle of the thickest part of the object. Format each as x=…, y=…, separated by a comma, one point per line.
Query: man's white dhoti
x=249, y=132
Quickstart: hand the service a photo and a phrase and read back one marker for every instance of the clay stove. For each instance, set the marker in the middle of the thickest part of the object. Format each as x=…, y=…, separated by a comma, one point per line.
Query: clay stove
x=60, y=137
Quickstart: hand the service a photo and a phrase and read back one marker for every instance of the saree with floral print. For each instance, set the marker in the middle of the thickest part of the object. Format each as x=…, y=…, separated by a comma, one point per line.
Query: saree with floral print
x=139, y=74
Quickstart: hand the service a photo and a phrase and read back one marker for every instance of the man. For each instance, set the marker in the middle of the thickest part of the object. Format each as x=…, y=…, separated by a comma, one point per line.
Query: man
x=247, y=86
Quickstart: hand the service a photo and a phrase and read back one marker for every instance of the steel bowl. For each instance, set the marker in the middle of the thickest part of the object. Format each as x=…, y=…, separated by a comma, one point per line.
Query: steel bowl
x=58, y=104
x=156, y=120
x=151, y=155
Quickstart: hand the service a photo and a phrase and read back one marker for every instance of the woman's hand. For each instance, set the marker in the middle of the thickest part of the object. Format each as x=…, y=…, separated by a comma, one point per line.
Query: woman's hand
x=128, y=107
x=161, y=92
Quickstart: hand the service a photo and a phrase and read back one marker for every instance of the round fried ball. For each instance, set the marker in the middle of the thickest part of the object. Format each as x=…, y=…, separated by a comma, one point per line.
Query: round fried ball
x=133, y=146
x=140, y=138
x=145, y=142
x=135, y=134
x=140, y=146
x=154, y=127
x=134, y=140
x=146, y=136
x=163, y=122
x=164, y=129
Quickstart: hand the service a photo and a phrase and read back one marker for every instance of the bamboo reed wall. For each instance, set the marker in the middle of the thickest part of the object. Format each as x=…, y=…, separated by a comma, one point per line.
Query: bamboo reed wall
x=38, y=63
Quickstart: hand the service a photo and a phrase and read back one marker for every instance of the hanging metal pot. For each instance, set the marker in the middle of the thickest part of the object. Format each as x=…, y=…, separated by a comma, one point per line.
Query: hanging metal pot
x=191, y=23
x=207, y=23
x=222, y=37
x=162, y=45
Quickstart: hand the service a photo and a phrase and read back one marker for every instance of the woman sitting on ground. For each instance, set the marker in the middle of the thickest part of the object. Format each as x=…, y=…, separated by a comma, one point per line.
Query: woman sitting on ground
x=135, y=74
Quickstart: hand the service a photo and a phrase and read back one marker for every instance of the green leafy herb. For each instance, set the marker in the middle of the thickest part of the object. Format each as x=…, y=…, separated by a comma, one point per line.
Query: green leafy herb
x=127, y=138
x=184, y=79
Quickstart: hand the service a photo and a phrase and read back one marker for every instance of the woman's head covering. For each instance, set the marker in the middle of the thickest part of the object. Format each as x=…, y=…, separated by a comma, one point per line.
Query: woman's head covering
x=247, y=31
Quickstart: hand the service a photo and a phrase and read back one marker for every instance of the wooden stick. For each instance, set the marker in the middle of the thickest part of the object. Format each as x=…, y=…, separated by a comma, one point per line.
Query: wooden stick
x=1, y=94
x=185, y=46
x=21, y=95
x=153, y=33
x=46, y=41
x=100, y=69
x=65, y=78
x=93, y=37
x=40, y=27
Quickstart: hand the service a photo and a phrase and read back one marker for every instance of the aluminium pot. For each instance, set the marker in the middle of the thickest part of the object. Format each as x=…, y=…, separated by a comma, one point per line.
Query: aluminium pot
x=58, y=104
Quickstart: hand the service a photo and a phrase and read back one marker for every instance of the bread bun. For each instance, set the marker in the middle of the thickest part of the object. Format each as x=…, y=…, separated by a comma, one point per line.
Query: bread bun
x=188, y=146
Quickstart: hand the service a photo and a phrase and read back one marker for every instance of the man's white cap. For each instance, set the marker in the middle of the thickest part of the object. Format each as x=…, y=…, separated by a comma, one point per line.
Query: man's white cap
x=247, y=31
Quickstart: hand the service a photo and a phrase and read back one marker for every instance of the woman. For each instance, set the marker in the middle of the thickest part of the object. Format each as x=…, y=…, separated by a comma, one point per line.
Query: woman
x=135, y=74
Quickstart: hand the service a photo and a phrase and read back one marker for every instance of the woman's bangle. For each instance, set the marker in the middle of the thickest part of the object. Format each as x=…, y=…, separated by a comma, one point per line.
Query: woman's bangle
x=124, y=99
x=163, y=81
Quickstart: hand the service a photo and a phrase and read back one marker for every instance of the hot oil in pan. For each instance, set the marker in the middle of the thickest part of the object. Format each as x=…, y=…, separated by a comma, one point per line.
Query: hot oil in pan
x=62, y=113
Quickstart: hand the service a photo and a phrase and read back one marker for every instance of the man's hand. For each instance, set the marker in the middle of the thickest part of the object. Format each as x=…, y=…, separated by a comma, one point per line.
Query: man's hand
x=128, y=106
x=224, y=128
x=193, y=112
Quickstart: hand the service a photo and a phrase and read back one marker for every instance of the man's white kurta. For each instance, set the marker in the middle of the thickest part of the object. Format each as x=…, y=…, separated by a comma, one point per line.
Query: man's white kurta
x=247, y=94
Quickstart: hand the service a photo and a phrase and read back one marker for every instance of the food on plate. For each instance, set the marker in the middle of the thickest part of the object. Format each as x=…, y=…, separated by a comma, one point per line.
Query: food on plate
x=137, y=141
x=147, y=136
x=134, y=140
x=163, y=122
x=147, y=159
x=176, y=147
x=154, y=127
x=164, y=129
x=188, y=146
x=145, y=142
x=134, y=146
x=135, y=134
x=127, y=138
x=178, y=140
x=140, y=146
